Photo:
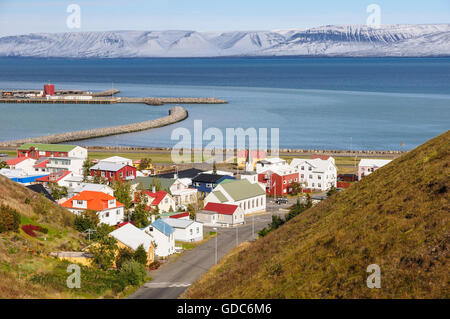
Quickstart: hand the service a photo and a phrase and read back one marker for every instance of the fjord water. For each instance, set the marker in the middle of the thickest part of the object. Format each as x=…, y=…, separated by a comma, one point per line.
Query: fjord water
x=317, y=103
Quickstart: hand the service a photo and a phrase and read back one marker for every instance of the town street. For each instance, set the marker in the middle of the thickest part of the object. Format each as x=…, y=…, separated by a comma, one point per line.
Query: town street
x=173, y=278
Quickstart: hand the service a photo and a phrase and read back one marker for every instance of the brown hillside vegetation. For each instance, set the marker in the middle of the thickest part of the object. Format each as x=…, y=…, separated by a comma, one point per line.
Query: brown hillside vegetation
x=397, y=217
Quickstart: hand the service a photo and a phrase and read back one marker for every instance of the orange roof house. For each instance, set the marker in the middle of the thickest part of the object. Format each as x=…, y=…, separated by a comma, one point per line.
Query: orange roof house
x=108, y=209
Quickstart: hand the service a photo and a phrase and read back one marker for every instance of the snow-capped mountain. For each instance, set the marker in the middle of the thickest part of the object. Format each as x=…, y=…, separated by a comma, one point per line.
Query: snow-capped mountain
x=348, y=40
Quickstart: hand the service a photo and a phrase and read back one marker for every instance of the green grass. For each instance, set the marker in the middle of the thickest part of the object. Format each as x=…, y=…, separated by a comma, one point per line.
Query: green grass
x=396, y=218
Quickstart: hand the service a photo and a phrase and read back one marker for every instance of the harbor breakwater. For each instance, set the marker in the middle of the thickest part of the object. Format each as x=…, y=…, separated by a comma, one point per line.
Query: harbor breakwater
x=176, y=114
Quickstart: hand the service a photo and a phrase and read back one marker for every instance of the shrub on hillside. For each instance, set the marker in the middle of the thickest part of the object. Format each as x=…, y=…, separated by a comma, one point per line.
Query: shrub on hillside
x=124, y=254
x=9, y=219
x=132, y=273
x=30, y=229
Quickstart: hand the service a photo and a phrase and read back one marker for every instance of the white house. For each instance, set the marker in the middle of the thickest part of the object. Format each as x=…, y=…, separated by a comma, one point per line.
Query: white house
x=164, y=237
x=117, y=160
x=109, y=210
x=221, y=215
x=248, y=196
x=367, y=165
x=72, y=164
x=25, y=164
x=161, y=199
x=316, y=173
x=251, y=176
x=269, y=163
x=186, y=230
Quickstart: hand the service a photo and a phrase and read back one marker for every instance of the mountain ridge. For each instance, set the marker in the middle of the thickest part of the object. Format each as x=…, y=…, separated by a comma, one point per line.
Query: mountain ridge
x=331, y=40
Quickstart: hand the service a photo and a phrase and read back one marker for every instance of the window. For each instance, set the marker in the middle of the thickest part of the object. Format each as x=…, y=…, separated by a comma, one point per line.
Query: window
x=198, y=230
x=190, y=231
x=295, y=180
x=107, y=214
x=310, y=176
x=103, y=174
x=302, y=176
x=80, y=202
x=319, y=177
x=310, y=168
x=118, y=212
x=312, y=184
x=303, y=168
x=284, y=182
x=320, y=185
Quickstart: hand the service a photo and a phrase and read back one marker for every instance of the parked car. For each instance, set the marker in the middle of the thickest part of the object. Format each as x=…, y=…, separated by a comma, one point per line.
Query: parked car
x=281, y=200
x=3, y=154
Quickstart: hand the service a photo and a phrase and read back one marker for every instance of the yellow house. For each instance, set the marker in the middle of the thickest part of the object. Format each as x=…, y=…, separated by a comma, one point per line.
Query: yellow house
x=136, y=164
x=129, y=236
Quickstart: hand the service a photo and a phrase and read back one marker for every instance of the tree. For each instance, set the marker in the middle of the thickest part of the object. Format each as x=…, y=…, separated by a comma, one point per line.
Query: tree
x=99, y=180
x=295, y=210
x=140, y=255
x=214, y=168
x=86, y=220
x=3, y=164
x=156, y=184
x=87, y=164
x=132, y=273
x=123, y=255
x=141, y=214
x=104, y=252
x=308, y=201
x=144, y=164
x=122, y=192
x=332, y=191
x=192, y=212
x=9, y=219
x=296, y=188
x=57, y=191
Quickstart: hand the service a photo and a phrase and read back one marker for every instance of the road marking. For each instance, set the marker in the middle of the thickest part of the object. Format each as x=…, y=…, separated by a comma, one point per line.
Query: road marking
x=166, y=285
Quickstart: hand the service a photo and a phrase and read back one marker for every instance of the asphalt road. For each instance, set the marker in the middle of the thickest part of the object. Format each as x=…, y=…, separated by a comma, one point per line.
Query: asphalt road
x=173, y=278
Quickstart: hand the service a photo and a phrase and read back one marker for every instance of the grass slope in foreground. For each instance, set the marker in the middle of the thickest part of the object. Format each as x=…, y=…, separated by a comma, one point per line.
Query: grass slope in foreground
x=26, y=270
x=397, y=217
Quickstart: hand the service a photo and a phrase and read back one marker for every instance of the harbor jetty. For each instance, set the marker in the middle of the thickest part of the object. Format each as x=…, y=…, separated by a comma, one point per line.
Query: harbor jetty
x=176, y=114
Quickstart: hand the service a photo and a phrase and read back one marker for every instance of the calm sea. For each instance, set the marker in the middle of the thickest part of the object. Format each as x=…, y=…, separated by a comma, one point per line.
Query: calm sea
x=317, y=103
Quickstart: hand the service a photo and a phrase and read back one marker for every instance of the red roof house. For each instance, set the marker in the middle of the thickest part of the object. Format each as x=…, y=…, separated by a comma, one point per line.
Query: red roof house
x=220, y=214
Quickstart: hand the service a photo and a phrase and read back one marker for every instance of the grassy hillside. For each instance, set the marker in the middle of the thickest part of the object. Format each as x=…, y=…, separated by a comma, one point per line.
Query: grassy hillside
x=397, y=217
x=26, y=269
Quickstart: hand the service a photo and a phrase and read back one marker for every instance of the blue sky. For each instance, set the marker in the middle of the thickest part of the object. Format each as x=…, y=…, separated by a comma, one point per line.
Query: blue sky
x=20, y=17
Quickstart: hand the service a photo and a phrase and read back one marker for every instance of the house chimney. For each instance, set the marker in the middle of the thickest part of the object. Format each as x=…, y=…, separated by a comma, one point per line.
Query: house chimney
x=175, y=176
x=153, y=219
x=154, y=189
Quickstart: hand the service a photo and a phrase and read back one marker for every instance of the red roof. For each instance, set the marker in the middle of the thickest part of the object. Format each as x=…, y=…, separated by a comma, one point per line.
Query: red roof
x=180, y=215
x=322, y=157
x=42, y=164
x=158, y=196
x=124, y=223
x=16, y=161
x=96, y=201
x=225, y=209
x=53, y=177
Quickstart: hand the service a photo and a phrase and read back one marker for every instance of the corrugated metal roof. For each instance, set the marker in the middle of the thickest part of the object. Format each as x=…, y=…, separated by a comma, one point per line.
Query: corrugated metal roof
x=242, y=189
x=178, y=223
x=163, y=227
x=132, y=237
x=108, y=166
